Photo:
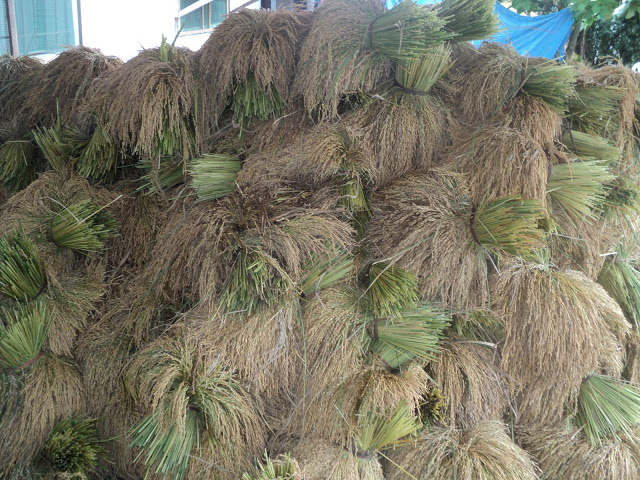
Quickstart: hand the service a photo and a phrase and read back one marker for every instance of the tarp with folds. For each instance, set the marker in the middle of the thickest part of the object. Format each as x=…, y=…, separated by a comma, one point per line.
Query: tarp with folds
x=540, y=36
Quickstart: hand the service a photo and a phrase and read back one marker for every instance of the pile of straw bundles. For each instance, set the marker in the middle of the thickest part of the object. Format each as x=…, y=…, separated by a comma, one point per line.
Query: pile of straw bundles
x=353, y=246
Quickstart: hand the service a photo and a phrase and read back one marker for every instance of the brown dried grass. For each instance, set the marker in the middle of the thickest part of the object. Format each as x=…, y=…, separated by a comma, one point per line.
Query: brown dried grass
x=483, y=452
x=322, y=460
x=15, y=74
x=560, y=326
x=472, y=383
x=53, y=390
x=499, y=162
x=261, y=43
x=65, y=84
x=420, y=224
x=564, y=452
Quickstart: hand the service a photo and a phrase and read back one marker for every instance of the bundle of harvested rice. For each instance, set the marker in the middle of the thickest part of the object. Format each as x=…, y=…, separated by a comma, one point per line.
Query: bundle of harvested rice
x=64, y=85
x=594, y=109
x=473, y=387
x=147, y=106
x=258, y=66
x=16, y=73
x=52, y=391
x=500, y=162
x=100, y=156
x=214, y=176
x=578, y=188
x=23, y=331
x=351, y=46
x=191, y=403
x=564, y=452
x=391, y=289
x=622, y=200
x=82, y=226
x=22, y=277
x=18, y=164
x=59, y=144
x=590, y=146
x=483, y=452
x=283, y=467
x=468, y=19
x=621, y=279
x=250, y=249
x=552, y=321
x=426, y=222
x=404, y=128
x=73, y=447
x=607, y=407
x=550, y=81
x=321, y=273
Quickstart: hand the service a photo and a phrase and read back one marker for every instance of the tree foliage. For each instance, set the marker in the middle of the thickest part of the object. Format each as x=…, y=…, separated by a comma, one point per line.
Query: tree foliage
x=586, y=11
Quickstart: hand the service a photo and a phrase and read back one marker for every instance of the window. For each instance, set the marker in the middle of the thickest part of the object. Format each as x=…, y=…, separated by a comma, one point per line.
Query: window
x=202, y=15
x=36, y=26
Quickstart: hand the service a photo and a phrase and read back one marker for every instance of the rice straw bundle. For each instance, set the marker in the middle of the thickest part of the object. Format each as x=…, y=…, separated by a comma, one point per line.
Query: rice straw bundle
x=258, y=65
x=472, y=384
x=559, y=327
x=413, y=334
x=623, y=78
x=500, y=162
x=82, y=226
x=65, y=84
x=483, y=452
x=190, y=400
x=593, y=109
x=404, y=128
x=327, y=273
x=16, y=73
x=283, y=467
x=468, y=19
x=578, y=188
x=590, y=147
x=621, y=279
x=250, y=250
x=100, y=156
x=351, y=46
x=22, y=335
x=607, y=407
x=533, y=117
x=22, y=277
x=59, y=144
x=160, y=176
x=18, y=164
x=148, y=105
x=550, y=81
x=73, y=447
x=563, y=452
x=622, y=199
x=391, y=289
x=52, y=391
x=214, y=176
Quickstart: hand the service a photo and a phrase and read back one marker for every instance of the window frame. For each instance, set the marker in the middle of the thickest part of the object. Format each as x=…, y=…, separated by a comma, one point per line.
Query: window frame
x=179, y=23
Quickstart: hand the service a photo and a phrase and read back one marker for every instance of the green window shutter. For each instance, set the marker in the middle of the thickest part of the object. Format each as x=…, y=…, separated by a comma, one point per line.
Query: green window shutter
x=218, y=12
x=203, y=18
x=5, y=43
x=44, y=26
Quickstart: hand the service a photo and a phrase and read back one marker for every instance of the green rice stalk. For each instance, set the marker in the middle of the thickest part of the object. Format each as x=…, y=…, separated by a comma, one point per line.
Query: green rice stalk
x=607, y=407
x=214, y=176
x=282, y=468
x=392, y=289
x=432, y=408
x=621, y=279
x=257, y=280
x=73, y=446
x=353, y=197
x=82, y=226
x=577, y=188
x=167, y=451
x=551, y=81
x=250, y=101
x=23, y=331
x=423, y=72
x=413, y=334
x=594, y=109
x=590, y=146
x=99, y=157
x=17, y=164
x=160, y=176
x=622, y=198
x=405, y=31
x=378, y=432
x=469, y=19
x=510, y=224
x=60, y=145
x=21, y=275
x=325, y=273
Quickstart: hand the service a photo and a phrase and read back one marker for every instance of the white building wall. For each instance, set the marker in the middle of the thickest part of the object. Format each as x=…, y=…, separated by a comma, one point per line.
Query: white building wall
x=124, y=27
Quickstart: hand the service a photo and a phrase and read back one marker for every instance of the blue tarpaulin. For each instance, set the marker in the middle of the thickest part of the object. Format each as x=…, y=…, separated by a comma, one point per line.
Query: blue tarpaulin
x=540, y=36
